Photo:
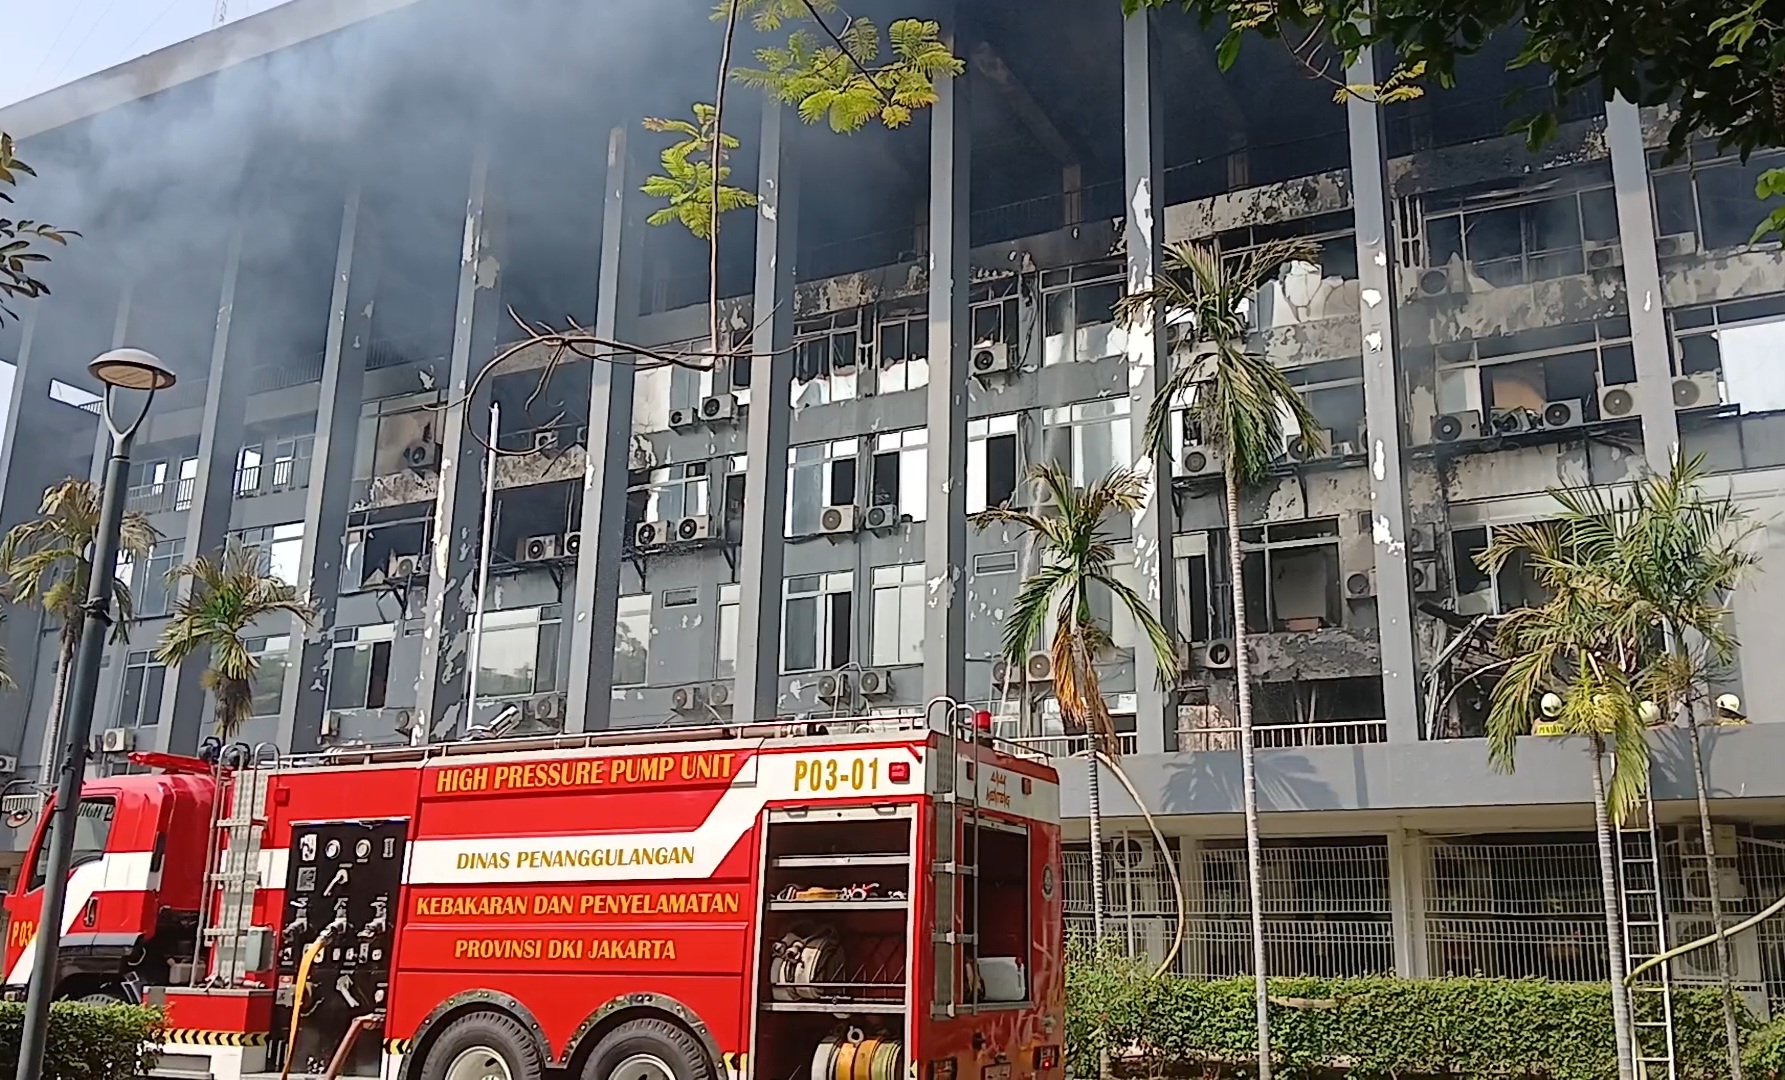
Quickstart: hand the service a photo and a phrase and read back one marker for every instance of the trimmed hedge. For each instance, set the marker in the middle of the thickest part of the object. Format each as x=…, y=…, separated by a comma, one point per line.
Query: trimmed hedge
x=87, y=1042
x=1367, y=1028
x=1764, y=1056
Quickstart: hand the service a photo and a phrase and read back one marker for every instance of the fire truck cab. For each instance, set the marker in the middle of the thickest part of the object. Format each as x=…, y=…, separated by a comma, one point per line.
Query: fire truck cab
x=862, y=899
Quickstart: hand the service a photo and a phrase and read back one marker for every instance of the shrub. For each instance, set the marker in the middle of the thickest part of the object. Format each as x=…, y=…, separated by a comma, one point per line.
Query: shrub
x=1763, y=1058
x=1370, y=1028
x=87, y=1042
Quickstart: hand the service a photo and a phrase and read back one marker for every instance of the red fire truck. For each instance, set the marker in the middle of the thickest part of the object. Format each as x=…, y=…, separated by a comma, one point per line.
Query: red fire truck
x=871, y=899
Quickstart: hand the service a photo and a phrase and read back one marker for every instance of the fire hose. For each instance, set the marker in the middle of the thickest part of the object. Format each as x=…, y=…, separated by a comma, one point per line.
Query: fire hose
x=1692, y=946
x=808, y=962
x=854, y=1055
x=297, y=994
x=1171, y=866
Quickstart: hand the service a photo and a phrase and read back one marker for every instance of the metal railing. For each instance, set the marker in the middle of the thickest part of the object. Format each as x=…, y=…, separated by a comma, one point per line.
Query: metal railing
x=1056, y=746
x=1285, y=736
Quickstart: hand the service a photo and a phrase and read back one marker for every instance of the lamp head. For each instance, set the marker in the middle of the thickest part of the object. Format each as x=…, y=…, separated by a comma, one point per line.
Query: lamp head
x=131, y=369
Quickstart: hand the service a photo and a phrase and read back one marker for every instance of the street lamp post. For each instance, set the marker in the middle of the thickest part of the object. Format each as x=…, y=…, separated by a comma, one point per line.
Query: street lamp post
x=120, y=369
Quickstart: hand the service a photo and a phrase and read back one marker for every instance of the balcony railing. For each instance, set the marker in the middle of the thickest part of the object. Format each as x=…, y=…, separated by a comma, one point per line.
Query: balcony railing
x=286, y=474
x=160, y=498
x=1068, y=745
x=1285, y=736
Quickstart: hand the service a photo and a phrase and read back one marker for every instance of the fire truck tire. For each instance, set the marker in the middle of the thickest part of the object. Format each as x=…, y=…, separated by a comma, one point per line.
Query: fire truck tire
x=649, y=1049
x=483, y=1046
x=101, y=997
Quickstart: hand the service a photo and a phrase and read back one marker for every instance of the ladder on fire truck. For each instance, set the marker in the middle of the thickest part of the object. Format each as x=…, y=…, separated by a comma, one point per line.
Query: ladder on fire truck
x=233, y=876
x=954, y=869
x=1643, y=919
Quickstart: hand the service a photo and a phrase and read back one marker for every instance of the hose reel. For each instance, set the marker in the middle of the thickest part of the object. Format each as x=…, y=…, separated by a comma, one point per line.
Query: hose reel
x=852, y=1054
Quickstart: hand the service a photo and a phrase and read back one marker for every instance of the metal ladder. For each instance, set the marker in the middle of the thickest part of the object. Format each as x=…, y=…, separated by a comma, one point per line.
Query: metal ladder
x=235, y=871
x=1643, y=911
x=954, y=950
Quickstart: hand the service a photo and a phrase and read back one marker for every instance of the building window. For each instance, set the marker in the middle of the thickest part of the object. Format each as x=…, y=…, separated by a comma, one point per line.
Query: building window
x=149, y=488
x=903, y=355
x=998, y=321
x=1517, y=242
x=150, y=595
x=139, y=705
x=359, y=670
x=726, y=666
x=248, y=470
x=280, y=549
x=1709, y=199
x=898, y=607
x=518, y=654
x=291, y=462
x=900, y=475
x=826, y=359
x=819, y=475
x=816, y=620
x=632, y=641
x=188, y=481
x=1292, y=576
x=272, y=655
x=1091, y=439
x=992, y=461
x=667, y=494
x=1479, y=592
x=1080, y=315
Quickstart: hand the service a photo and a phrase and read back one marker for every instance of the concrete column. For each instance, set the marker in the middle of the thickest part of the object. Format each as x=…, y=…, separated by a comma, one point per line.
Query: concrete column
x=1406, y=899
x=769, y=423
x=945, y=533
x=1143, y=154
x=327, y=501
x=186, y=716
x=1642, y=284
x=442, y=689
x=1382, y=410
x=603, y=524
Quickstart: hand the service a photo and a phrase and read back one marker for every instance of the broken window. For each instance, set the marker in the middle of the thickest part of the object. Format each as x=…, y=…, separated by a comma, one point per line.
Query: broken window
x=517, y=655
x=826, y=359
x=997, y=321
x=1740, y=343
x=392, y=552
x=993, y=469
x=734, y=500
x=272, y=654
x=670, y=493
x=359, y=668
x=903, y=356
x=1481, y=593
x=816, y=619
x=897, y=604
x=403, y=428
x=1292, y=578
x=1708, y=203
x=725, y=665
x=1078, y=311
x=1194, y=587
x=1514, y=239
x=632, y=641
x=1090, y=439
x=900, y=473
x=819, y=475
x=1334, y=393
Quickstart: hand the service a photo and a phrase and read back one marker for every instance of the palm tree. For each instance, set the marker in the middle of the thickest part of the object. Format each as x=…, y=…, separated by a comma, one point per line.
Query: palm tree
x=1676, y=554
x=49, y=561
x=1577, y=664
x=226, y=597
x=1077, y=557
x=1239, y=404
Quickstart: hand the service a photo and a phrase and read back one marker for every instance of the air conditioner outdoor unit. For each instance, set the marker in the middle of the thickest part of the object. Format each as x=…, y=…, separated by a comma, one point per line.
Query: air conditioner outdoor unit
x=424, y=454
x=1131, y=855
x=1001, y=674
x=1456, y=427
x=1217, y=655
x=546, y=707
x=544, y=440
x=990, y=358
x=1420, y=538
x=573, y=544
x=719, y=407
x=695, y=528
x=1201, y=460
x=875, y=683
x=652, y=534
x=9, y=763
x=118, y=740
x=1675, y=245
x=1360, y=585
x=1425, y=575
x=1700, y=965
x=833, y=686
x=1563, y=414
x=881, y=518
x=719, y=693
x=1514, y=421
x=537, y=549
x=582, y=436
x=1039, y=667
x=837, y=520
x=1437, y=281
x=1697, y=391
x=403, y=567
x=403, y=721
x=685, y=699
x=1309, y=446
x=1604, y=255
x=683, y=418
x=1617, y=402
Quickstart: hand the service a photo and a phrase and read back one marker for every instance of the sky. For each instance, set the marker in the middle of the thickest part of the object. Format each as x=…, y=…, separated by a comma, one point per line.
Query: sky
x=51, y=42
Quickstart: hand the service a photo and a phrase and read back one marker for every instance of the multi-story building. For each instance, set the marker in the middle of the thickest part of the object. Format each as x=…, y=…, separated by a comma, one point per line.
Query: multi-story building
x=322, y=217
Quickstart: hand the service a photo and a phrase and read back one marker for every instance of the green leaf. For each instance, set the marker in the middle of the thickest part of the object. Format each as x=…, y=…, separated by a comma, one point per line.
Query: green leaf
x=1228, y=51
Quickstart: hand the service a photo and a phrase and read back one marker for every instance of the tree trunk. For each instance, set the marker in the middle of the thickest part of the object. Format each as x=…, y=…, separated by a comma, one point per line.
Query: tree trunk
x=52, y=741
x=1732, y=1028
x=1094, y=805
x=1242, y=677
x=1614, y=925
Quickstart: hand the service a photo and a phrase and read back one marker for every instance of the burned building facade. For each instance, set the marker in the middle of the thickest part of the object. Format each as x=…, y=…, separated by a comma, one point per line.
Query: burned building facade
x=328, y=219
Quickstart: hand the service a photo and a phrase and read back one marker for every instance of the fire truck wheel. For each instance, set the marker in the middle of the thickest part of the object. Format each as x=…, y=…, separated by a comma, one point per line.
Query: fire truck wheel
x=101, y=998
x=484, y=1046
x=649, y=1049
